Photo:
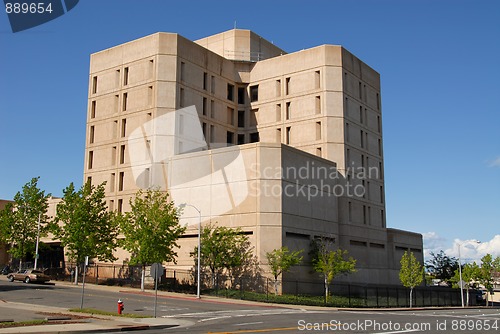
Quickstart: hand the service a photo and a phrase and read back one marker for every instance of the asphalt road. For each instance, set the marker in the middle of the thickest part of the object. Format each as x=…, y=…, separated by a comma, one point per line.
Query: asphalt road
x=212, y=316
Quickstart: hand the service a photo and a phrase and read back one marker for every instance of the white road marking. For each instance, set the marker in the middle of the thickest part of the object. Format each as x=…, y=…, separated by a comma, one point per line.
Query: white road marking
x=249, y=323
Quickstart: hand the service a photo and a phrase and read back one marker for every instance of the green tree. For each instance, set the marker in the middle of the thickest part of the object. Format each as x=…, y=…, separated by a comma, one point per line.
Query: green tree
x=19, y=221
x=411, y=273
x=85, y=227
x=223, y=248
x=441, y=267
x=280, y=261
x=489, y=267
x=470, y=276
x=331, y=263
x=151, y=229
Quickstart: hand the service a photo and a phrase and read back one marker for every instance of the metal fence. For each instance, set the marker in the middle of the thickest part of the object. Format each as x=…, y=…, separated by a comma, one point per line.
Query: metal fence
x=263, y=288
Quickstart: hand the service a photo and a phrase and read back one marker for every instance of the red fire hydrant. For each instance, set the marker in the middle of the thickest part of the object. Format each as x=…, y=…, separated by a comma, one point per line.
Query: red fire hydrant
x=120, y=306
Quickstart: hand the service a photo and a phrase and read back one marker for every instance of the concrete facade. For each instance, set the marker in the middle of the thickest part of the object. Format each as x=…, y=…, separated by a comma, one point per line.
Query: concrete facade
x=317, y=109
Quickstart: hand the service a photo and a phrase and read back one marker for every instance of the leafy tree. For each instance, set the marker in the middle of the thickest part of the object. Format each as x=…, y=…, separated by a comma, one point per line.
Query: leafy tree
x=441, y=267
x=280, y=261
x=411, y=273
x=19, y=220
x=86, y=227
x=470, y=275
x=331, y=263
x=151, y=229
x=489, y=267
x=223, y=248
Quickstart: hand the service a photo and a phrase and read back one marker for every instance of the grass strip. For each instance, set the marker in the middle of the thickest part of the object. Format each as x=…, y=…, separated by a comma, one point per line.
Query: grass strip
x=94, y=311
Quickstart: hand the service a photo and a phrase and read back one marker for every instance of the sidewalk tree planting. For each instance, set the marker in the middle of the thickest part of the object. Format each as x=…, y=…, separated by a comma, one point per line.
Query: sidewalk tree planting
x=489, y=267
x=223, y=248
x=84, y=225
x=470, y=275
x=151, y=229
x=330, y=263
x=19, y=220
x=280, y=261
x=441, y=267
x=411, y=273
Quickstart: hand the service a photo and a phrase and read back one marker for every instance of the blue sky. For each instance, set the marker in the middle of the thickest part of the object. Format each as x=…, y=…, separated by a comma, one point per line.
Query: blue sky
x=439, y=67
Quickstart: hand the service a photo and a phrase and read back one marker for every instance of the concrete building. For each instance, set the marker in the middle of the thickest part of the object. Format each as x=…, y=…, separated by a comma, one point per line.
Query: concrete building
x=316, y=110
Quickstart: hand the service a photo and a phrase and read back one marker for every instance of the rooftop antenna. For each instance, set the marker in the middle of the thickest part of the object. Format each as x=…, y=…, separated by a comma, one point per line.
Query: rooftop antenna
x=234, y=24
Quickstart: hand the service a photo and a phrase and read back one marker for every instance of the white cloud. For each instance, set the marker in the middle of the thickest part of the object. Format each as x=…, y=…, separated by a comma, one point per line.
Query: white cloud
x=495, y=163
x=470, y=250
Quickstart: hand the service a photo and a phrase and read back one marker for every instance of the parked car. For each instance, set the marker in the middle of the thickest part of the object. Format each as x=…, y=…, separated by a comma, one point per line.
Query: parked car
x=6, y=270
x=28, y=276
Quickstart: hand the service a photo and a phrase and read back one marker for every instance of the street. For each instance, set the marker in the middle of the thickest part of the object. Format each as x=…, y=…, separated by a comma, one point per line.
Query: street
x=211, y=315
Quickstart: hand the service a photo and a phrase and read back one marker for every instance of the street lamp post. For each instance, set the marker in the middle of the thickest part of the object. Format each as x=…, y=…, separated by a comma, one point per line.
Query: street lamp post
x=198, y=283
x=37, y=242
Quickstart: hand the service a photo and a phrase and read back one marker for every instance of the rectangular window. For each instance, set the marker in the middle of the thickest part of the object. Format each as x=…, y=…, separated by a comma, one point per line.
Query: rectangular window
x=278, y=112
x=379, y=127
x=122, y=154
x=241, y=95
x=91, y=134
x=212, y=134
x=120, y=205
x=124, y=127
x=111, y=205
x=364, y=215
x=89, y=180
x=367, y=190
x=318, y=152
x=361, y=114
x=121, y=181
x=125, y=76
x=317, y=79
x=112, y=182
x=382, y=218
x=349, y=212
x=230, y=116
x=241, y=118
x=241, y=139
x=230, y=92
x=381, y=194
x=318, y=130
x=287, y=86
x=278, y=88
x=212, y=108
x=347, y=132
x=183, y=71
x=204, y=106
x=254, y=93
x=181, y=98
x=94, y=85
x=117, y=103
x=362, y=138
x=205, y=80
x=362, y=160
x=151, y=68
x=360, y=91
x=124, y=102
x=378, y=101
x=212, y=85
x=288, y=135
x=347, y=158
x=92, y=109
x=278, y=135
x=253, y=117
x=254, y=137
x=318, y=105
x=380, y=176
x=113, y=155
x=204, y=129
x=230, y=137
x=91, y=159
x=288, y=111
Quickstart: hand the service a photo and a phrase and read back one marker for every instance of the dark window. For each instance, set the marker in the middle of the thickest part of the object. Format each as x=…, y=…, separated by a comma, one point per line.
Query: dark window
x=122, y=154
x=91, y=134
x=205, y=80
x=94, y=85
x=124, y=127
x=241, y=139
x=254, y=137
x=120, y=181
x=125, y=97
x=230, y=92
x=125, y=76
x=230, y=137
x=91, y=159
x=241, y=118
x=204, y=108
x=92, y=110
x=254, y=93
x=241, y=95
x=120, y=205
